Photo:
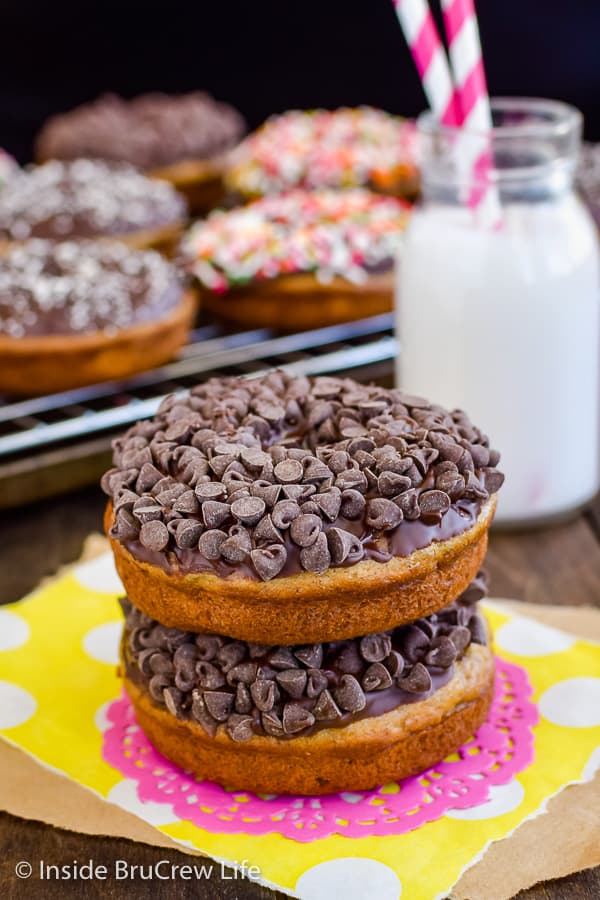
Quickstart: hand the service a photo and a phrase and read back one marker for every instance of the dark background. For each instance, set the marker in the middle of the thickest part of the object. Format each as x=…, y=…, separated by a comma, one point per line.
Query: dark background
x=266, y=57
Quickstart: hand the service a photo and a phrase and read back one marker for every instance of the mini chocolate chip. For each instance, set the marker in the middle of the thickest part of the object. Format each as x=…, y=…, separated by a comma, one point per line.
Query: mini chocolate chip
x=126, y=526
x=316, y=683
x=257, y=650
x=185, y=653
x=237, y=546
x=376, y=678
x=248, y=510
x=154, y=536
x=461, y=638
x=231, y=654
x=305, y=530
x=289, y=471
x=284, y=513
x=243, y=700
x=339, y=461
x=434, y=503
x=296, y=718
x=329, y=503
x=269, y=561
x=210, y=490
x=156, y=686
x=442, y=653
x=186, y=503
x=209, y=676
x=353, y=504
x=210, y=543
x=254, y=459
x=201, y=715
x=272, y=724
x=343, y=545
x=270, y=493
x=172, y=697
x=171, y=495
x=266, y=533
x=418, y=681
x=448, y=448
x=214, y=513
x=395, y=664
x=148, y=477
x=349, y=660
x=143, y=660
x=382, y=514
x=493, y=480
x=263, y=694
x=219, y=704
x=315, y=471
x=375, y=647
x=293, y=681
x=239, y=727
x=349, y=695
x=352, y=479
x=311, y=655
x=185, y=676
x=125, y=499
x=413, y=643
x=282, y=658
x=317, y=557
x=478, y=630
x=187, y=534
x=244, y=672
x=207, y=646
x=408, y=502
x=326, y=709
x=219, y=464
x=298, y=492
x=390, y=484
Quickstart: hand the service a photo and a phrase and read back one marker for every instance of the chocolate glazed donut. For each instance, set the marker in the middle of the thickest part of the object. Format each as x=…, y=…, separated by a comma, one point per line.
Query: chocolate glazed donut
x=290, y=510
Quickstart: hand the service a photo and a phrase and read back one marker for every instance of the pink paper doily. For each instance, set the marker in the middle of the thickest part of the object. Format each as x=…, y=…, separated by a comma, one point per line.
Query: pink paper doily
x=502, y=747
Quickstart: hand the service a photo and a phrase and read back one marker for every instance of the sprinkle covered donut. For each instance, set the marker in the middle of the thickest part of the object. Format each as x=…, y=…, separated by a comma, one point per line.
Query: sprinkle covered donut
x=332, y=252
x=344, y=148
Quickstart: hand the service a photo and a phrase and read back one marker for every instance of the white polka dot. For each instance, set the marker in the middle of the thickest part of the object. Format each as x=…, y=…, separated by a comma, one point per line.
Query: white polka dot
x=100, y=718
x=124, y=794
x=592, y=765
x=503, y=798
x=99, y=575
x=14, y=630
x=524, y=637
x=574, y=703
x=102, y=642
x=16, y=705
x=350, y=878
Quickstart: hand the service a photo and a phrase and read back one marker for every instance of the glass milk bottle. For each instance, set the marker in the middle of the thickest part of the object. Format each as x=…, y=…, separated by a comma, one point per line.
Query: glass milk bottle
x=498, y=301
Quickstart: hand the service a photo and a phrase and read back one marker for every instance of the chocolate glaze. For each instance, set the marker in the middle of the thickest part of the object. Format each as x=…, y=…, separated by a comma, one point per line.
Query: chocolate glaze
x=151, y=651
x=404, y=540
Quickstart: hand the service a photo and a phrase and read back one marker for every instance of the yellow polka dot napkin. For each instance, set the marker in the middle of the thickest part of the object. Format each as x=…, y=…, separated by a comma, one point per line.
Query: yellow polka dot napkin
x=58, y=652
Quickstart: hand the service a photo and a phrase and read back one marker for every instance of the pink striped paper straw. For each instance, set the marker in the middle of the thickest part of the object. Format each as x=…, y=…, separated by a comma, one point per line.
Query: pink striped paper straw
x=430, y=58
x=464, y=47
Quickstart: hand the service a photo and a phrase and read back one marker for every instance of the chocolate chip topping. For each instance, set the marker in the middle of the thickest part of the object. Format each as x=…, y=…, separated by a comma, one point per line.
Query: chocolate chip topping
x=149, y=131
x=285, y=474
x=82, y=287
x=282, y=691
x=84, y=199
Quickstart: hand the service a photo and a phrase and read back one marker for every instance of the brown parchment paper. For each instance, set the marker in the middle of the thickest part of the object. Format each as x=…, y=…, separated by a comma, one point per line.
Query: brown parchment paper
x=564, y=839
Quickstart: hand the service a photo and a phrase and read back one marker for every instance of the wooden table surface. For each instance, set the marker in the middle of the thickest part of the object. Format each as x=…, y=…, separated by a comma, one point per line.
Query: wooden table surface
x=556, y=565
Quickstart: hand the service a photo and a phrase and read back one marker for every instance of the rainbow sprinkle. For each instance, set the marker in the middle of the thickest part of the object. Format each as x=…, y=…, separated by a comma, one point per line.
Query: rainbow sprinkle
x=343, y=233
x=343, y=148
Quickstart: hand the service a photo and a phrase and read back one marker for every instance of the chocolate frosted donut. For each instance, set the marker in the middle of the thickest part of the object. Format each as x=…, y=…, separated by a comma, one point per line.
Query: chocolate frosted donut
x=89, y=199
x=300, y=260
x=78, y=312
x=149, y=132
x=292, y=510
x=182, y=138
x=311, y=718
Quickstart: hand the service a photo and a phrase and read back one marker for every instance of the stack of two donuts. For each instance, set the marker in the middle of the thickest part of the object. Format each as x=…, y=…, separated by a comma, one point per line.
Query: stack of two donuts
x=302, y=566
